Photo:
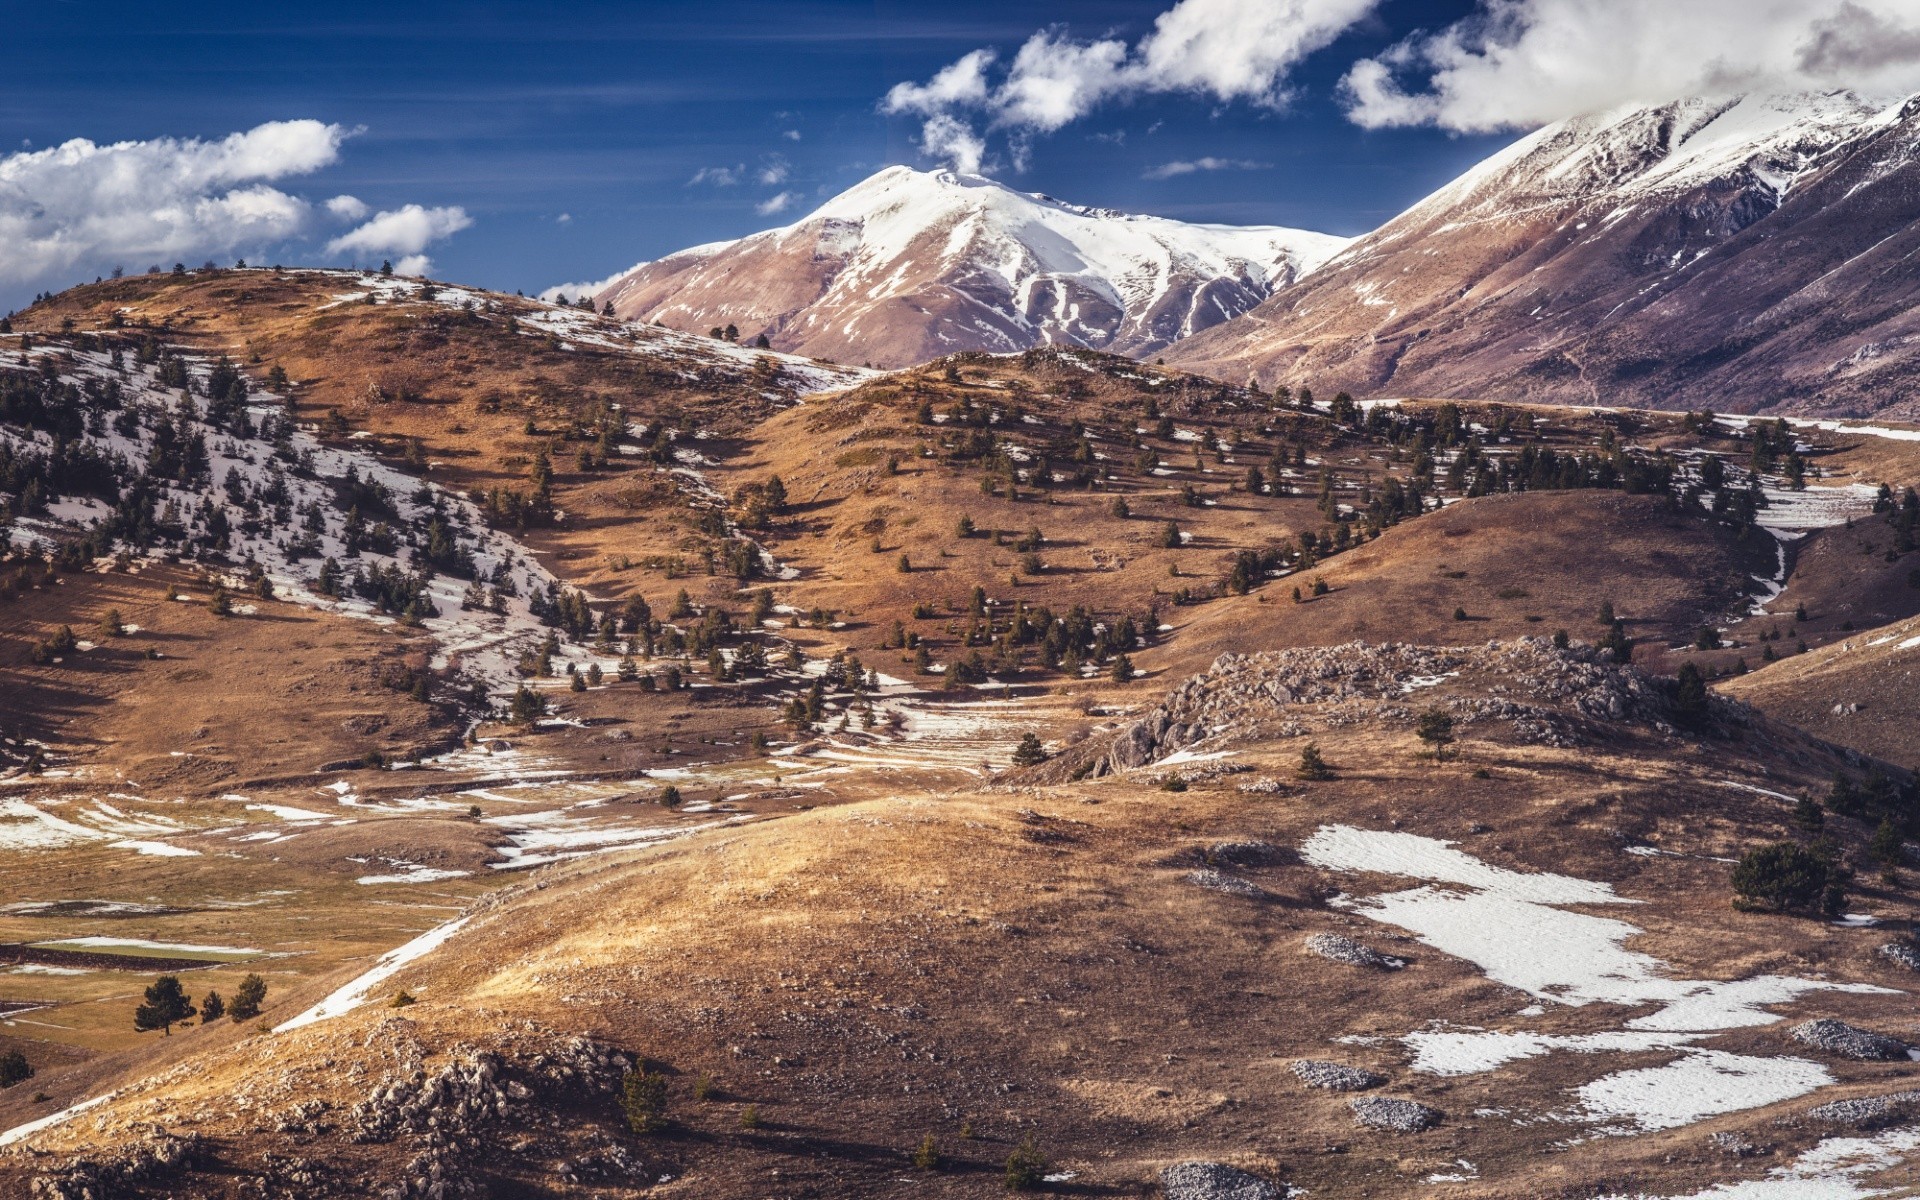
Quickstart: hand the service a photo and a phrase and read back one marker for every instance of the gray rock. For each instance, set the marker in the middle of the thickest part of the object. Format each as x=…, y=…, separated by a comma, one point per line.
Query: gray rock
x=1244, y=854
x=1335, y=1077
x=1867, y=1112
x=1346, y=950
x=1230, y=884
x=1394, y=1116
x=1848, y=1041
x=1734, y=1144
x=1903, y=954
x=1215, y=1181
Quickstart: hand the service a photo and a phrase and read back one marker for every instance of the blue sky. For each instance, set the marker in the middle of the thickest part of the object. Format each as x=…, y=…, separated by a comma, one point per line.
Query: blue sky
x=567, y=136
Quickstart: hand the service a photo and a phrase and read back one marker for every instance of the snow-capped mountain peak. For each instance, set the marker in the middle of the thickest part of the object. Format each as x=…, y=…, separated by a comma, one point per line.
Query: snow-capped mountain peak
x=907, y=265
x=1732, y=252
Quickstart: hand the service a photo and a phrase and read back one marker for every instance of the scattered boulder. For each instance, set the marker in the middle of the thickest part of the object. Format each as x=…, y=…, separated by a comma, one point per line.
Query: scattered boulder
x=1848, y=1041
x=1244, y=853
x=1230, y=884
x=1902, y=954
x=1215, y=1181
x=1867, y=1112
x=1544, y=694
x=1733, y=1144
x=1346, y=950
x=1335, y=1077
x=1394, y=1116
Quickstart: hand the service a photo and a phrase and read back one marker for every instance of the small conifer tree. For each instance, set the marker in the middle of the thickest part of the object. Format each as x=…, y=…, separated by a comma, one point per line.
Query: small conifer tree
x=1312, y=766
x=166, y=1005
x=247, y=998
x=1029, y=752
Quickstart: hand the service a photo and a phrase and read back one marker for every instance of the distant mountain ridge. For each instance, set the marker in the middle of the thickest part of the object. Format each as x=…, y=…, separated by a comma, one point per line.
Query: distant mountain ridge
x=909, y=265
x=1748, y=254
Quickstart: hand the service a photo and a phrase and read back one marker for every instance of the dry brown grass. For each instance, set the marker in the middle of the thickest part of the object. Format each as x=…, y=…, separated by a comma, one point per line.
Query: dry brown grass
x=1038, y=963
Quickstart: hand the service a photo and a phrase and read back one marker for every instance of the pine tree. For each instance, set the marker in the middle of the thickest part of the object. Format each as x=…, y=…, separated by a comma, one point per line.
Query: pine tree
x=1026, y=1166
x=1122, y=671
x=927, y=1155
x=1808, y=815
x=527, y=706
x=212, y=1008
x=14, y=1068
x=248, y=998
x=1690, y=695
x=1029, y=752
x=166, y=1005
x=1312, y=766
x=1435, y=728
x=1888, y=848
x=643, y=1097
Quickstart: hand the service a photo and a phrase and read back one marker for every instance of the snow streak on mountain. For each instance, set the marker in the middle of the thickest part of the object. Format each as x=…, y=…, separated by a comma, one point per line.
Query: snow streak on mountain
x=909, y=265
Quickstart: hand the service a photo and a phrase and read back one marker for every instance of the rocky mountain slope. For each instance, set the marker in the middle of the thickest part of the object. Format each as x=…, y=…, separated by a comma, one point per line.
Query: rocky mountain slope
x=1745, y=255
x=909, y=265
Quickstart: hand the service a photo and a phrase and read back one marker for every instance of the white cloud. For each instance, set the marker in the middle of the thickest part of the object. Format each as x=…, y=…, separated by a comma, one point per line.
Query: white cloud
x=1207, y=163
x=776, y=204
x=405, y=231
x=717, y=176
x=348, y=208
x=775, y=171
x=792, y=135
x=958, y=84
x=953, y=140
x=83, y=205
x=1228, y=50
x=414, y=264
x=1524, y=63
x=563, y=219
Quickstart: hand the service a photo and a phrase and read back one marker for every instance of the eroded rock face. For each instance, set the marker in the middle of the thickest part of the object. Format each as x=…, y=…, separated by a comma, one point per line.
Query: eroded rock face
x=1541, y=694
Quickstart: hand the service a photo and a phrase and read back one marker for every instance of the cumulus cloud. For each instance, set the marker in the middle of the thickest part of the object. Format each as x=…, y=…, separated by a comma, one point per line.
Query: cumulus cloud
x=348, y=208
x=1225, y=50
x=717, y=176
x=1524, y=63
x=774, y=171
x=406, y=232
x=1207, y=163
x=82, y=205
x=776, y=204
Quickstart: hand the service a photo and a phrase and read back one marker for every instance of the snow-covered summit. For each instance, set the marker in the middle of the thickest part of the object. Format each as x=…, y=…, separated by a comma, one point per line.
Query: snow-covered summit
x=1740, y=252
x=909, y=264
x=1641, y=152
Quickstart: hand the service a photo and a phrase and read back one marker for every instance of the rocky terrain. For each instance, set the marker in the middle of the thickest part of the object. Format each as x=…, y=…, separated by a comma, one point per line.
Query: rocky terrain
x=706, y=771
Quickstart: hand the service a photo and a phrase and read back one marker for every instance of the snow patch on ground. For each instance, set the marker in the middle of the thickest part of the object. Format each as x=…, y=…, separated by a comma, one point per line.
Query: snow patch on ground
x=354, y=993
x=1511, y=925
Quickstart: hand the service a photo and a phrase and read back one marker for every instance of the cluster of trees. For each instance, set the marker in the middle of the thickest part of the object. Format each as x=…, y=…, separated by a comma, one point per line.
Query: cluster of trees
x=1791, y=876
x=166, y=1004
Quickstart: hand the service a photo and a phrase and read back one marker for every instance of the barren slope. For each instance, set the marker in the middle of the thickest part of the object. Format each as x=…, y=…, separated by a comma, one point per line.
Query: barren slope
x=1740, y=255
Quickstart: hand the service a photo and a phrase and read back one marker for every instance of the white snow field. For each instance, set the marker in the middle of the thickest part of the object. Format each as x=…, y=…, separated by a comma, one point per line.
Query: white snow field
x=1518, y=928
